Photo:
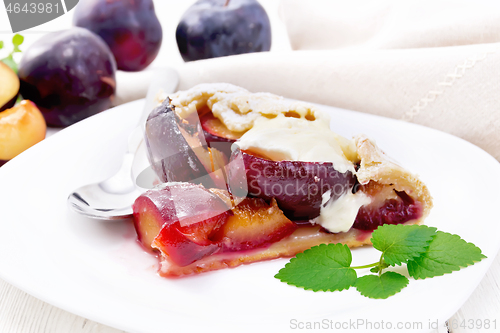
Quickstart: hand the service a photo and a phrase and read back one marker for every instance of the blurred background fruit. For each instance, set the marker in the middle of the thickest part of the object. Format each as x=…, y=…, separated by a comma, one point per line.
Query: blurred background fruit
x=20, y=128
x=129, y=27
x=69, y=75
x=9, y=87
x=17, y=40
x=216, y=28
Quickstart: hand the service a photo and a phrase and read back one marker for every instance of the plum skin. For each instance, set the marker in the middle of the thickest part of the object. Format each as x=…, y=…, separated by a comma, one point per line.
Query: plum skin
x=69, y=75
x=180, y=218
x=297, y=186
x=216, y=28
x=130, y=28
x=171, y=157
x=187, y=222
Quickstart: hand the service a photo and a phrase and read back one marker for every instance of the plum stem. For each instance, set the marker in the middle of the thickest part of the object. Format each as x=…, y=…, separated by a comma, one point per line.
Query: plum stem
x=366, y=266
x=227, y=3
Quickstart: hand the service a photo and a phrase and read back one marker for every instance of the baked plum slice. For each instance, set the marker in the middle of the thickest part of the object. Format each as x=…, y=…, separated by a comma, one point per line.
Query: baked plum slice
x=217, y=134
x=187, y=222
x=396, y=210
x=297, y=186
x=215, y=131
x=180, y=220
x=176, y=151
x=254, y=224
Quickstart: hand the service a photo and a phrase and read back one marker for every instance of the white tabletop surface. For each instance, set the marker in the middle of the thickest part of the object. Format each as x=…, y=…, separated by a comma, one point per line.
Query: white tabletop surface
x=22, y=313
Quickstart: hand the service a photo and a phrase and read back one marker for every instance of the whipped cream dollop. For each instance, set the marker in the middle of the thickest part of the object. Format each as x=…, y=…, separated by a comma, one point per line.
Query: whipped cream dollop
x=339, y=215
x=296, y=139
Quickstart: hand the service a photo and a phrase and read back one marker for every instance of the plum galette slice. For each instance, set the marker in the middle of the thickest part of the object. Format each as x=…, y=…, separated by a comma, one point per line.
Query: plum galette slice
x=288, y=182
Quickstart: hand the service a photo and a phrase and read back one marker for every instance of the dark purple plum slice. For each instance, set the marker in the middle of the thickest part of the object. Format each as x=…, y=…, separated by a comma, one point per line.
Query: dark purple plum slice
x=171, y=156
x=392, y=211
x=297, y=186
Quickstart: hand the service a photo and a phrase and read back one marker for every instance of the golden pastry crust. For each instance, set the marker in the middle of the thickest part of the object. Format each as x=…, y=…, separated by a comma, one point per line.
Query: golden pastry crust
x=302, y=239
x=237, y=108
x=375, y=167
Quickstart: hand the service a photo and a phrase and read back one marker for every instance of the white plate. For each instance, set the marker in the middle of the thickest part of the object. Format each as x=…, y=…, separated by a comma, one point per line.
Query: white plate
x=96, y=269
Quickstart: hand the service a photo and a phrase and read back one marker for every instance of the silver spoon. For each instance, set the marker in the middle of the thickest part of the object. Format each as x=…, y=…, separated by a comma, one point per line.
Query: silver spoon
x=112, y=198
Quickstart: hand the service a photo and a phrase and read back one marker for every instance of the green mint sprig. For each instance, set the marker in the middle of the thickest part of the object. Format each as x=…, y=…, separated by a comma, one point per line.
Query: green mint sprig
x=426, y=252
x=17, y=40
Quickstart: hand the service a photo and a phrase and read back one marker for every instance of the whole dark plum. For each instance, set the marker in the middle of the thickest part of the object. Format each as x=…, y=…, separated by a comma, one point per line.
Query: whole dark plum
x=69, y=75
x=216, y=28
x=129, y=27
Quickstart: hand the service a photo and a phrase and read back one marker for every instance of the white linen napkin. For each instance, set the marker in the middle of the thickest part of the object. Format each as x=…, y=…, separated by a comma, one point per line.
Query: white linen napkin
x=453, y=89
x=390, y=24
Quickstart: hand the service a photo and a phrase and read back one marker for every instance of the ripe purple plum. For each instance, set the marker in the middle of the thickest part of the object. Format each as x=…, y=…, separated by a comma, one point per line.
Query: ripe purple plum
x=69, y=75
x=216, y=28
x=129, y=27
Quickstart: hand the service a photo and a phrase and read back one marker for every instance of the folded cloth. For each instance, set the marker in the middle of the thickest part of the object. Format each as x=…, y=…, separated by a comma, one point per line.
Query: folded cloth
x=132, y=85
x=453, y=89
x=388, y=24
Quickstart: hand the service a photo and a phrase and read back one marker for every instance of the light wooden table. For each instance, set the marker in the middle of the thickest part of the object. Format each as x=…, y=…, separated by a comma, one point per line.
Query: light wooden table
x=22, y=313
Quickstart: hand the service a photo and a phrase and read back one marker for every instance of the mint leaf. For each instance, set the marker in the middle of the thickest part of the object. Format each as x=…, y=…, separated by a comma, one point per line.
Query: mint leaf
x=1, y=44
x=381, y=287
x=17, y=40
x=445, y=254
x=400, y=243
x=427, y=252
x=323, y=267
